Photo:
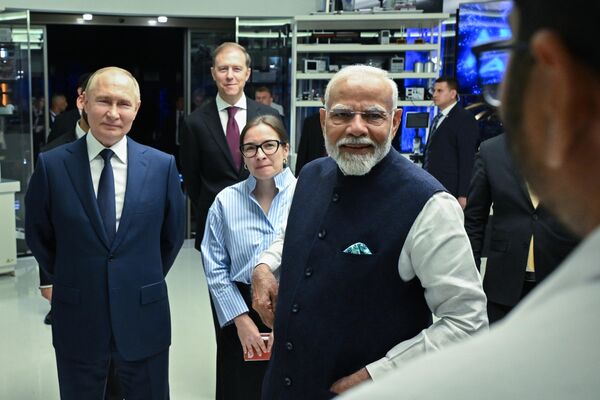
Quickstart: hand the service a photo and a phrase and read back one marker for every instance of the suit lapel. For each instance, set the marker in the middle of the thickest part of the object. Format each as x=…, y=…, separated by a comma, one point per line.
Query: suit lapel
x=252, y=109
x=213, y=124
x=78, y=169
x=137, y=168
x=512, y=168
x=432, y=131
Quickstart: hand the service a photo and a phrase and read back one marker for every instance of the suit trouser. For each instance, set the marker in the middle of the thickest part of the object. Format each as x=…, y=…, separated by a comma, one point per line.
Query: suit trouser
x=146, y=379
x=497, y=311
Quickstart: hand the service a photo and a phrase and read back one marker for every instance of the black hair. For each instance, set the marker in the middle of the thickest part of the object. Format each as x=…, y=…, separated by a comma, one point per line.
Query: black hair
x=574, y=21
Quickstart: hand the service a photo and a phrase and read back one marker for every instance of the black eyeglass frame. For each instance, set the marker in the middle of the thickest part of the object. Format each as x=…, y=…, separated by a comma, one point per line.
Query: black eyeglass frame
x=260, y=146
x=500, y=45
x=363, y=114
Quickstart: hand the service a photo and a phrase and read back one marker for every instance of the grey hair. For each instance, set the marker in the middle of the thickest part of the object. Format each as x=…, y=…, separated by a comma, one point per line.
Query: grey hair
x=362, y=71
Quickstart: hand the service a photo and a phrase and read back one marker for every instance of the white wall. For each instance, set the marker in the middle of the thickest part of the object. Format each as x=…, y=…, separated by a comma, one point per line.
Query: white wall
x=194, y=8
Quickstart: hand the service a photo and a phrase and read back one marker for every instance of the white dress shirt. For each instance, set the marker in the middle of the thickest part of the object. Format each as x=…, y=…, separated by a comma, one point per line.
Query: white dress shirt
x=119, y=165
x=240, y=116
x=444, y=113
x=438, y=252
x=79, y=133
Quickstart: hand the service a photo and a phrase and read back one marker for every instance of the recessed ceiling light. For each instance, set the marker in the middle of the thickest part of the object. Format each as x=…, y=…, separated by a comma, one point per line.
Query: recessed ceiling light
x=88, y=17
x=162, y=19
x=152, y=21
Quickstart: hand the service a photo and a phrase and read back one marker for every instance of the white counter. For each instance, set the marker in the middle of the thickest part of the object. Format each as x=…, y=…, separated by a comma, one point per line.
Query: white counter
x=8, y=242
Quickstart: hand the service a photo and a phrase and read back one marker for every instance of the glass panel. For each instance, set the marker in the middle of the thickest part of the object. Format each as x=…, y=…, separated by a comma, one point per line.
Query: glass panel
x=16, y=145
x=202, y=44
x=269, y=44
x=201, y=87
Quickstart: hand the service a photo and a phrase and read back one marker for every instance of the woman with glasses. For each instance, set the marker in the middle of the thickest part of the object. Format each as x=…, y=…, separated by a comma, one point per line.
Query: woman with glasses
x=241, y=223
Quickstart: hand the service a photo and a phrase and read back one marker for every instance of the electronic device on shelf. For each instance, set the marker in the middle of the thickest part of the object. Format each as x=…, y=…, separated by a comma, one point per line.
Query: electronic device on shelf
x=384, y=36
x=314, y=66
x=414, y=93
x=396, y=64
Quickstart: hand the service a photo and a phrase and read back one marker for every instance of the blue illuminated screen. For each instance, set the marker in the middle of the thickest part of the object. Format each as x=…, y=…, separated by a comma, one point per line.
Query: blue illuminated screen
x=481, y=23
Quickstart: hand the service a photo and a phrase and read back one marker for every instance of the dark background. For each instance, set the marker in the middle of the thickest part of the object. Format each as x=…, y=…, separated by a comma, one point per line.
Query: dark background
x=153, y=56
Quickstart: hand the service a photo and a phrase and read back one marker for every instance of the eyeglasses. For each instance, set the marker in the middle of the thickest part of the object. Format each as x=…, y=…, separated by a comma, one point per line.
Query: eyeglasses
x=343, y=116
x=492, y=61
x=268, y=147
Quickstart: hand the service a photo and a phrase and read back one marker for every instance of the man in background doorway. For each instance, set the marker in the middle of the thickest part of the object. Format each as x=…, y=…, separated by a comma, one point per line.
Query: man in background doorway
x=58, y=104
x=452, y=141
x=67, y=120
x=264, y=96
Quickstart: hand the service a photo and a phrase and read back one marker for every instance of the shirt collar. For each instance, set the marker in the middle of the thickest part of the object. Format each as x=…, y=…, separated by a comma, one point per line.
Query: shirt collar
x=222, y=104
x=447, y=110
x=282, y=180
x=95, y=147
x=78, y=131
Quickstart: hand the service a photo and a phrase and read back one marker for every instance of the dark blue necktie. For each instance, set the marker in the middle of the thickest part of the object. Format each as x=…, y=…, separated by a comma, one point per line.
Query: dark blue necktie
x=434, y=123
x=106, y=196
x=432, y=130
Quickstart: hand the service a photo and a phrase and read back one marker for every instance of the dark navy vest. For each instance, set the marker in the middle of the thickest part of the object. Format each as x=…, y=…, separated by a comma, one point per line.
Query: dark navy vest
x=339, y=312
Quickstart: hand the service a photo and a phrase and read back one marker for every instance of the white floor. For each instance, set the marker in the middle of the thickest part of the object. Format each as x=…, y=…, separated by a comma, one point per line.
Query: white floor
x=27, y=365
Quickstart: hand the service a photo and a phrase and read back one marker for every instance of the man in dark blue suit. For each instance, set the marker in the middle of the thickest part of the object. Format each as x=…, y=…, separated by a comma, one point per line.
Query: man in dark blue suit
x=527, y=241
x=452, y=141
x=105, y=220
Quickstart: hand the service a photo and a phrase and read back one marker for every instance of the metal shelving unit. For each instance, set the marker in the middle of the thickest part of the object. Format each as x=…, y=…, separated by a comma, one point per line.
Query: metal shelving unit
x=314, y=36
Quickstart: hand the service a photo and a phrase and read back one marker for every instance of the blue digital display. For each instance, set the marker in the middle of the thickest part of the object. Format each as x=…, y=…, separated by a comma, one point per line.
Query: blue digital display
x=481, y=23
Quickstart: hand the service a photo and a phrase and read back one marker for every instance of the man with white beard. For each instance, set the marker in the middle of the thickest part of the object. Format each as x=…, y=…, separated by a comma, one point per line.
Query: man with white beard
x=373, y=247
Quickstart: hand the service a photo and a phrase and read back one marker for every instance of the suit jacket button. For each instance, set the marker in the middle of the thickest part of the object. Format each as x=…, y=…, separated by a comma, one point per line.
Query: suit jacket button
x=308, y=272
x=322, y=233
x=535, y=217
x=295, y=308
x=111, y=257
x=335, y=198
x=287, y=381
x=289, y=346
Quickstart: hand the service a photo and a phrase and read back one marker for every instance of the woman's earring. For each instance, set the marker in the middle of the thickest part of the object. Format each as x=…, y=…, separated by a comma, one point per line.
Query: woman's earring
x=284, y=163
x=245, y=166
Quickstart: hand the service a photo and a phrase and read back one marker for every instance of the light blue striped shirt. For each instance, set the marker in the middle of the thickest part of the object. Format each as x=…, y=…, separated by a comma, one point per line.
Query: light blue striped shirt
x=237, y=231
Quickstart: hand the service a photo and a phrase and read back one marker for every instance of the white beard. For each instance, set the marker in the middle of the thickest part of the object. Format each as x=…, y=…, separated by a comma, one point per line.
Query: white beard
x=357, y=164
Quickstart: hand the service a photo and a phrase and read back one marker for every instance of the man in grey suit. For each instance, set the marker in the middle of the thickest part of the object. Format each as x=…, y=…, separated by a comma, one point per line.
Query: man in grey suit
x=207, y=162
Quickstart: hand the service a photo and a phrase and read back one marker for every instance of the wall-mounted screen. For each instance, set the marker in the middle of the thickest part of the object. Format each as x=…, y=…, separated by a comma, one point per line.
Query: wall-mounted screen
x=481, y=23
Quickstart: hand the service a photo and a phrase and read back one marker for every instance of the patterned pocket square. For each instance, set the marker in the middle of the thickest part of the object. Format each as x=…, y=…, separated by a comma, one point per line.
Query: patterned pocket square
x=358, y=248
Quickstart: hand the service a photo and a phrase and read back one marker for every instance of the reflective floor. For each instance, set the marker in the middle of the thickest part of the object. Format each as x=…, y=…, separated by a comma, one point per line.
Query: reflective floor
x=27, y=365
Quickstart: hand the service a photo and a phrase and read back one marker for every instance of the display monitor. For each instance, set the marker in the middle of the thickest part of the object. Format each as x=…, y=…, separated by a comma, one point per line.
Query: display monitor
x=417, y=120
x=480, y=23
